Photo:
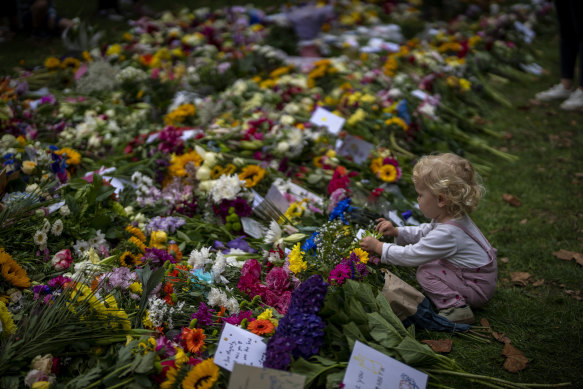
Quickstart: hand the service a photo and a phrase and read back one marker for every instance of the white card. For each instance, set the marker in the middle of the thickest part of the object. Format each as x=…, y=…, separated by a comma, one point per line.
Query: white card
x=396, y=219
x=369, y=368
x=419, y=94
x=297, y=191
x=152, y=138
x=187, y=134
x=356, y=148
x=240, y=346
x=323, y=117
x=56, y=206
x=359, y=234
x=249, y=377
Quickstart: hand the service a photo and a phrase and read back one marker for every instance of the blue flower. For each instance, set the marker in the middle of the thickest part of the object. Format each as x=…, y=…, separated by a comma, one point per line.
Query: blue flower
x=341, y=209
x=201, y=275
x=403, y=111
x=309, y=246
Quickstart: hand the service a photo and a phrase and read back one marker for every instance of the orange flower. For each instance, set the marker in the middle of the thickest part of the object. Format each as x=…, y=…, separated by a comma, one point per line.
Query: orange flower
x=261, y=327
x=194, y=339
x=174, y=250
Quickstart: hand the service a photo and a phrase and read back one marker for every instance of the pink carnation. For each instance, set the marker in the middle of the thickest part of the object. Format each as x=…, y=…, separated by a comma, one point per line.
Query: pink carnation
x=62, y=260
x=277, y=280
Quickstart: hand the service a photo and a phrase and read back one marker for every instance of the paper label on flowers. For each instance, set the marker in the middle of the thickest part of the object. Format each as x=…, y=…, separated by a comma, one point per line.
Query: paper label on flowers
x=323, y=117
x=369, y=368
x=240, y=346
x=356, y=148
x=244, y=377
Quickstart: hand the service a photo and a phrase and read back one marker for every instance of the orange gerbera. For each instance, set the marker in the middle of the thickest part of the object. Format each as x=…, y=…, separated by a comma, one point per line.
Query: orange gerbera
x=174, y=250
x=261, y=327
x=12, y=271
x=194, y=339
x=252, y=174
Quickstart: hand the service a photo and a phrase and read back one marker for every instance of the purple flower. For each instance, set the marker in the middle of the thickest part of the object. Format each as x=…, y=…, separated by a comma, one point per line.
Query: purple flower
x=204, y=315
x=241, y=244
x=278, y=352
x=157, y=257
x=309, y=296
x=238, y=318
x=339, y=274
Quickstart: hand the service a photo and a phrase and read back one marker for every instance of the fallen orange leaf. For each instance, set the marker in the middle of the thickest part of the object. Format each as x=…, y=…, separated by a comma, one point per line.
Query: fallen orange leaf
x=485, y=323
x=504, y=259
x=519, y=277
x=539, y=282
x=511, y=199
x=501, y=337
x=567, y=255
x=515, y=360
x=440, y=345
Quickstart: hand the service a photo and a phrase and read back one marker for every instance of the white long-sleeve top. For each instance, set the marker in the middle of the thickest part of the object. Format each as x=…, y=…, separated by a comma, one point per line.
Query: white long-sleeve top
x=427, y=242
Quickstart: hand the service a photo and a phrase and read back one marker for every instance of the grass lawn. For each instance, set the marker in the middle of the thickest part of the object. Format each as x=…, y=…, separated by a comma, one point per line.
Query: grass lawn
x=543, y=315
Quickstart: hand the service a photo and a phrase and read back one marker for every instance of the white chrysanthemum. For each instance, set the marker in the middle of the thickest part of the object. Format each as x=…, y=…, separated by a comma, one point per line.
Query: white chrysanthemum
x=46, y=226
x=57, y=228
x=226, y=188
x=81, y=247
x=273, y=234
x=217, y=298
x=40, y=238
x=232, y=306
x=199, y=258
x=428, y=110
x=64, y=211
x=219, y=265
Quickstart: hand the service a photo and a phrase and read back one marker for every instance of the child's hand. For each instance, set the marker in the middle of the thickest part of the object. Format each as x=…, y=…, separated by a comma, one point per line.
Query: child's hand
x=386, y=228
x=371, y=244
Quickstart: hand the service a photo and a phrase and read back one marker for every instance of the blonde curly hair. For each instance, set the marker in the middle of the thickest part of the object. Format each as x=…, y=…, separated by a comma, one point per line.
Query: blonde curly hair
x=454, y=178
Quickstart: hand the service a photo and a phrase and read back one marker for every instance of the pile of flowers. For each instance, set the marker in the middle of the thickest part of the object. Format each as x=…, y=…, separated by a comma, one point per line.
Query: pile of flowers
x=165, y=185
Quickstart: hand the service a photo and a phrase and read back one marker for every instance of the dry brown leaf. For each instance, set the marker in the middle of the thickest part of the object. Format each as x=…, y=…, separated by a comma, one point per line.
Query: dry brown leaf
x=579, y=175
x=579, y=258
x=539, y=282
x=511, y=199
x=440, y=345
x=485, y=323
x=524, y=221
x=519, y=277
x=501, y=337
x=504, y=259
x=565, y=255
x=579, y=298
x=515, y=360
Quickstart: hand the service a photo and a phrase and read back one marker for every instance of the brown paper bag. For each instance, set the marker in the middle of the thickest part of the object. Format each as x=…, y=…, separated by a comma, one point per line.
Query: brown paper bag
x=403, y=298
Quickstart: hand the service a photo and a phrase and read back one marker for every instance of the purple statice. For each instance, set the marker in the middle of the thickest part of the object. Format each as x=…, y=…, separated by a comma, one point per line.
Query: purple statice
x=278, y=352
x=167, y=224
x=238, y=318
x=156, y=257
x=204, y=315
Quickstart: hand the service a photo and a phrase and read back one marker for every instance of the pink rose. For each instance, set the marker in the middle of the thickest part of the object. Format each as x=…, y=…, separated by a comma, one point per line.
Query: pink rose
x=62, y=260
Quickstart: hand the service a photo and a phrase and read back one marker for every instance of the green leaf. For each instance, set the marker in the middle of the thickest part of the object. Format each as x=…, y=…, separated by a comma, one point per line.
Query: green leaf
x=147, y=363
x=362, y=292
x=183, y=236
x=351, y=331
x=85, y=379
x=311, y=369
x=384, y=308
x=355, y=311
x=414, y=353
x=333, y=380
x=9, y=382
x=383, y=332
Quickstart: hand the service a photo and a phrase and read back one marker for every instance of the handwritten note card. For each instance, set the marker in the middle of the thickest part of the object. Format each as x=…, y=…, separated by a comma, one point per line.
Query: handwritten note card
x=297, y=191
x=249, y=377
x=369, y=368
x=323, y=117
x=240, y=346
x=356, y=148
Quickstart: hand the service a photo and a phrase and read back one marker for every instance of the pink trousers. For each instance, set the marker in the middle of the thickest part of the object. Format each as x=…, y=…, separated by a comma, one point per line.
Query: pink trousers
x=450, y=286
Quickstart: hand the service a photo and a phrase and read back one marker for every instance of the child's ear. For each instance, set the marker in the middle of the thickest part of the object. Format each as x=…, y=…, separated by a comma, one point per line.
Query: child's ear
x=441, y=201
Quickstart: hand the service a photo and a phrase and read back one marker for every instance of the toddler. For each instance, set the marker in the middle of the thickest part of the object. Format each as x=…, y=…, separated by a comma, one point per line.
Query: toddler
x=457, y=264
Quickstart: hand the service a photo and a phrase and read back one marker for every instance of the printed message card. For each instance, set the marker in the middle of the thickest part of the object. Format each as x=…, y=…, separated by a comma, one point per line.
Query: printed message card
x=371, y=369
x=323, y=117
x=356, y=148
x=240, y=346
x=249, y=377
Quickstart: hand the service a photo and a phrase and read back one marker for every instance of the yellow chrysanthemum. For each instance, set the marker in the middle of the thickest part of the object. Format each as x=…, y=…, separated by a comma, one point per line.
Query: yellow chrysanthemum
x=136, y=287
x=202, y=376
x=465, y=85
x=252, y=174
x=279, y=72
x=397, y=121
x=390, y=66
x=180, y=114
x=73, y=157
x=361, y=254
x=296, y=262
x=12, y=272
x=52, y=63
x=387, y=173
x=114, y=49
x=8, y=326
x=179, y=162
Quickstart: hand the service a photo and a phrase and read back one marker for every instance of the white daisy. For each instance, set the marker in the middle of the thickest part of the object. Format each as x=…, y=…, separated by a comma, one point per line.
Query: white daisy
x=40, y=238
x=57, y=228
x=46, y=226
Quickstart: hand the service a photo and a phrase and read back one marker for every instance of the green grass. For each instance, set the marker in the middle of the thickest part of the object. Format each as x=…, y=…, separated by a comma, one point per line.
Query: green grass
x=543, y=322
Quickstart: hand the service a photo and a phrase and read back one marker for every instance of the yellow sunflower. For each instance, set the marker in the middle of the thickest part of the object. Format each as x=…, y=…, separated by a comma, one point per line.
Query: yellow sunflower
x=202, y=376
x=217, y=172
x=52, y=63
x=70, y=62
x=12, y=271
x=376, y=164
x=387, y=173
x=8, y=326
x=179, y=162
x=73, y=157
x=252, y=174
x=138, y=243
x=135, y=231
x=229, y=169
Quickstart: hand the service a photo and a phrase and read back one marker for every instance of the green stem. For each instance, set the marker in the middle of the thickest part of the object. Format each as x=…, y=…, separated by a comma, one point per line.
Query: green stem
x=109, y=375
x=485, y=379
x=121, y=384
